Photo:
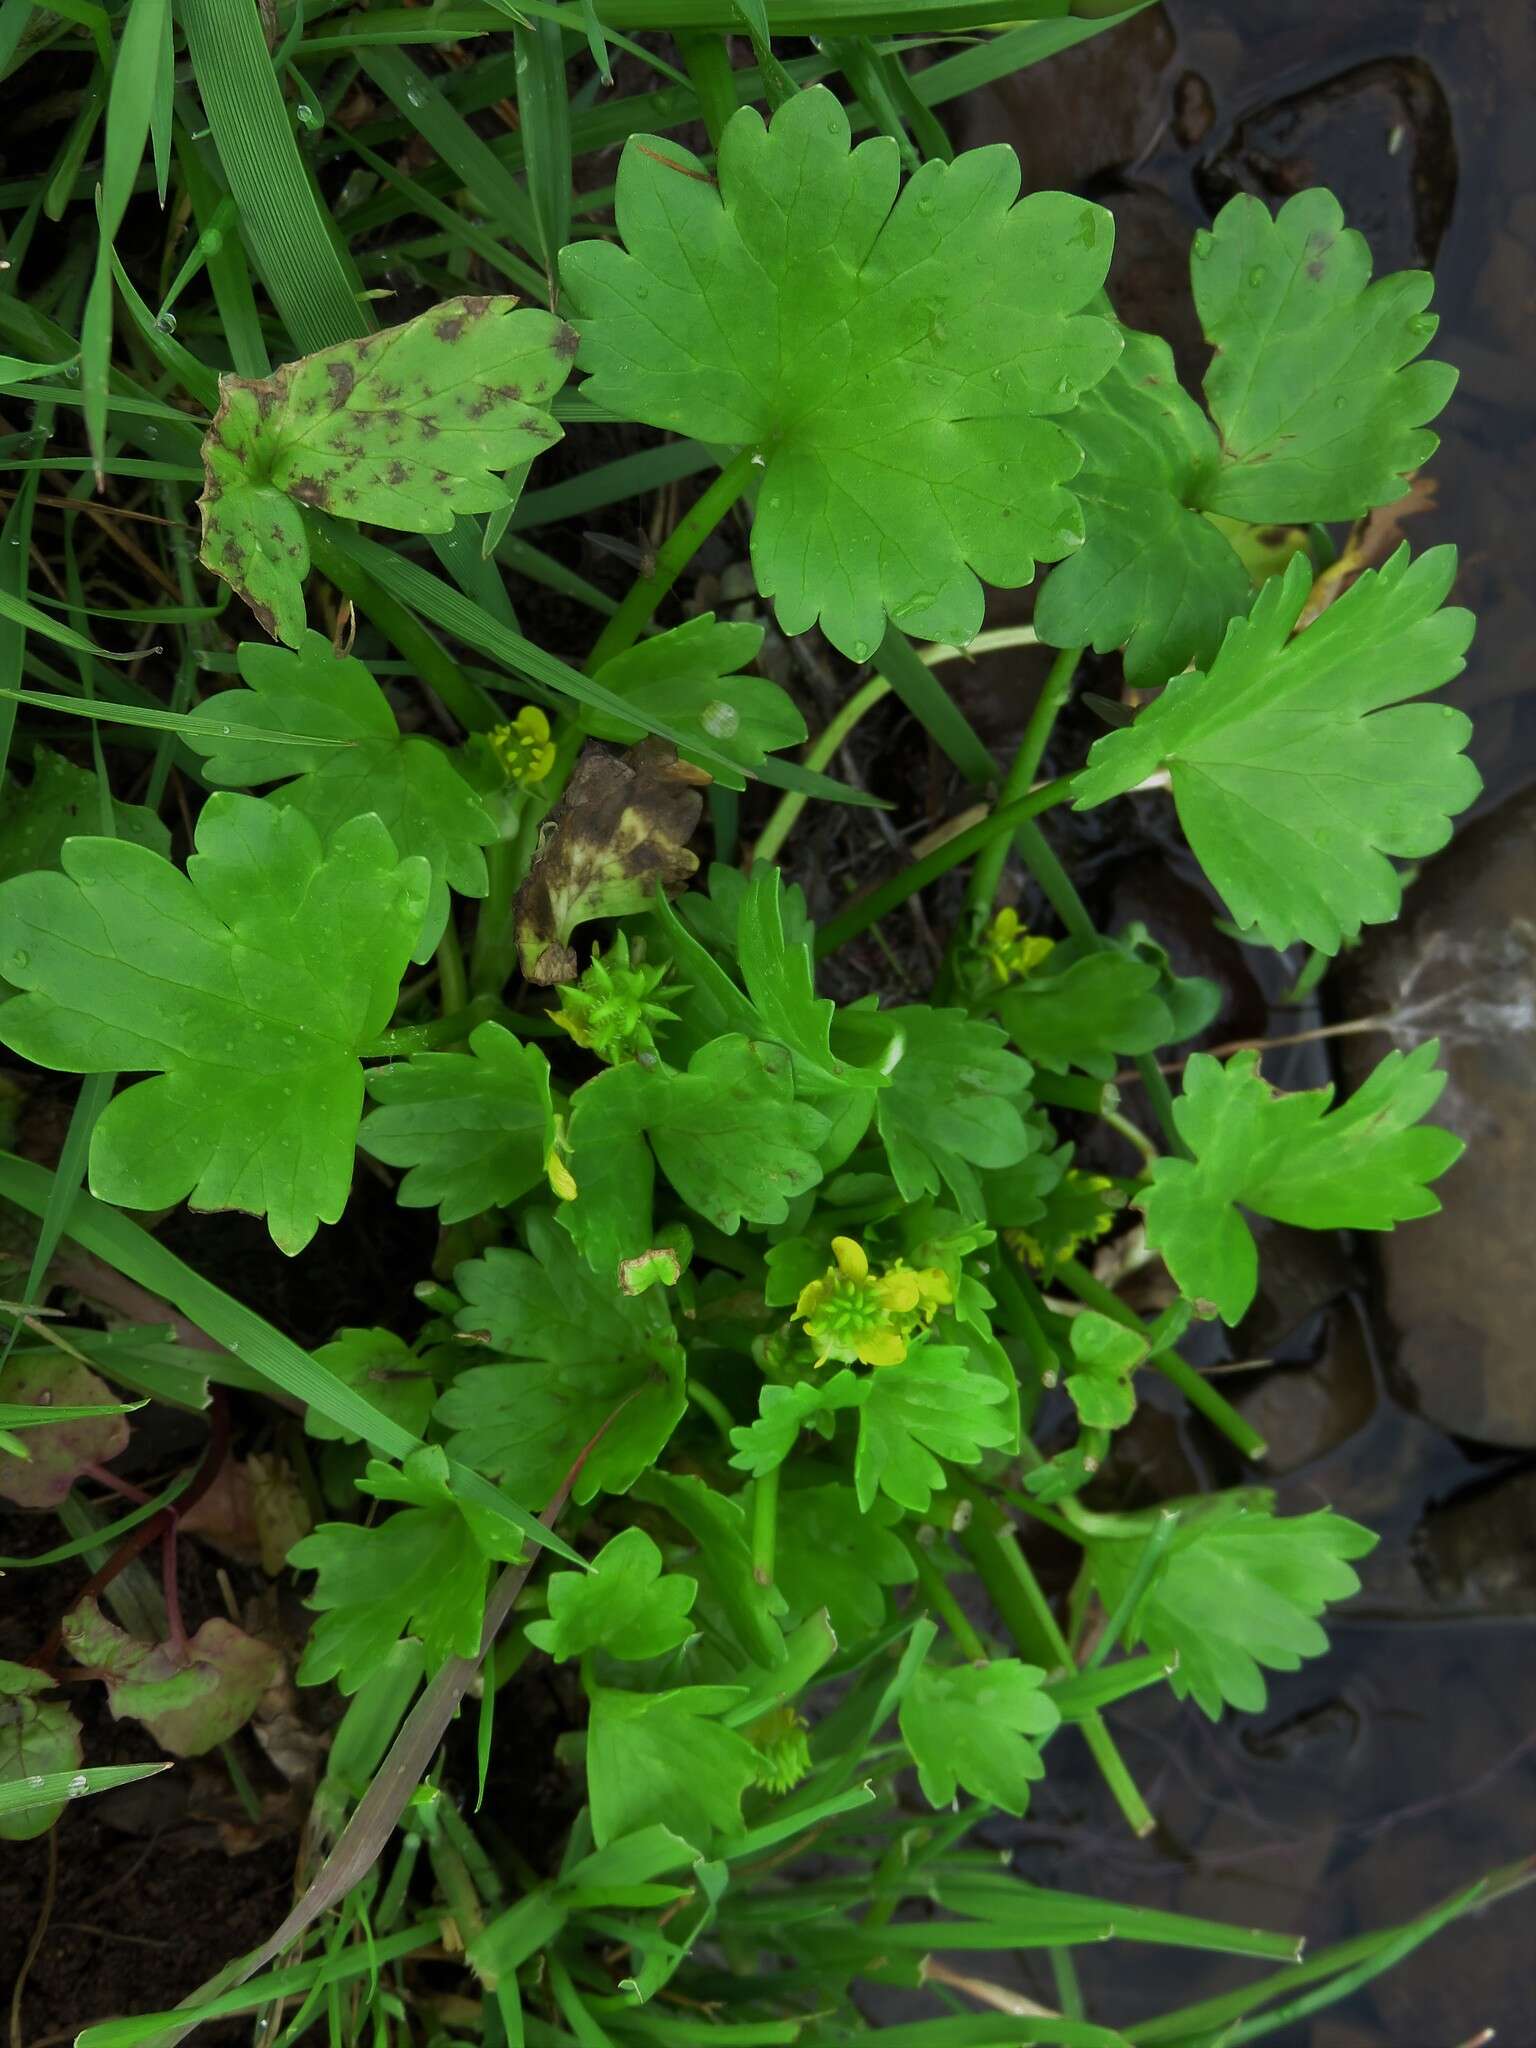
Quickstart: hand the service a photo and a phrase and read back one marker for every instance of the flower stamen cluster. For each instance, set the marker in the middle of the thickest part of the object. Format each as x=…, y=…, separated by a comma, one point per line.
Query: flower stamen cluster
x=613, y=1010
x=854, y=1315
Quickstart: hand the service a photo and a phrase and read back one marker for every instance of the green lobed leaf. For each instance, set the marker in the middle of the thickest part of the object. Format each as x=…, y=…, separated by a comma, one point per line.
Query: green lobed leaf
x=1153, y=575
x=1314, y=389
x=1297, y=765
x=1319, y=411
x=579, y=1355
x=929, y=1407
x=977, y=1726
x=662, y=1759
x=1105, y=1354
x=1362, y=1166
x=1239, y=1588
x=831, y=1554
x=627, y=1604
x=411, y=783
x=728, y=1134
x=58, y=1453
x=60, y=801
x=1087, y=1009
x=422, y=1572
x=896, y=359
x=250, y=983
x=38, y=1738
x=385, y=1370
x=404, y=428
x=760, y=1447
x=473, y=1128
x=954, y=1102
x=744, y=1606
x=688, y=676
x=192, y=1695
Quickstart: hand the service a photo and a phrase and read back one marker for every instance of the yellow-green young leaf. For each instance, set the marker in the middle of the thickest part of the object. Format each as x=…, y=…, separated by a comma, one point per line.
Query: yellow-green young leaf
x=410, y=782
x=405, y=428
x=191, y=1695
x=58, y=1452
x=894, y=358
x=1238, y=1588
x=661, y=1758
x=37, y=1739
x=978, y=1726
x=248, y=985
x=689, y=677
x=473, y=1128
x=1362, y=1166
x=627, y=1604
x=1105, y=1354
x=1298, y=765
x=576, y=1354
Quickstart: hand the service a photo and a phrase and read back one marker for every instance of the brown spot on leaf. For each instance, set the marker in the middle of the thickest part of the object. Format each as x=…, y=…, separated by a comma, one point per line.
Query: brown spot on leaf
x=309, y=491
x=397, y=473
x=567, y=340
x=341, y=377
x=450, y=329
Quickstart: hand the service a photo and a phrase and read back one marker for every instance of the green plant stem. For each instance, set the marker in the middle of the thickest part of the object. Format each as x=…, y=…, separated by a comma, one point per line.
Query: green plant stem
x=710, y=1404
x=1020, y=1600
x=1036, y=854
x=707, y=60
x=787, y=810
x=673, y=556
x=892, y=894
x=981, y=890
x=942, y=1602
x=452, y=986
x=765, y=1525
x=451, y=1029
x=1196, y=1389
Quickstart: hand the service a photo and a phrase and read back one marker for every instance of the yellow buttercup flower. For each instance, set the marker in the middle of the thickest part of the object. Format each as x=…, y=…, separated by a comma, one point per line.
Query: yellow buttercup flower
x=524, y=748
x=854, y=1315
x=1013, y=951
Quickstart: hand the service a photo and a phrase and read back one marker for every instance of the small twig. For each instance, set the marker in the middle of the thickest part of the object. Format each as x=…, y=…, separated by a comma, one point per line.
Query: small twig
x=1319, y=1031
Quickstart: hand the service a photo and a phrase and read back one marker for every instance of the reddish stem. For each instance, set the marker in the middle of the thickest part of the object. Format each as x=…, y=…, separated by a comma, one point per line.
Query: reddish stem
x=113, y=1484
x=161, y=1525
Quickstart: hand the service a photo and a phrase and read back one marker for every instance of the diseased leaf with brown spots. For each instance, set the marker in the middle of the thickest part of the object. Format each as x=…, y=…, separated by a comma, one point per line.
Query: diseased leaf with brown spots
x=405, y=428
x=621, y=829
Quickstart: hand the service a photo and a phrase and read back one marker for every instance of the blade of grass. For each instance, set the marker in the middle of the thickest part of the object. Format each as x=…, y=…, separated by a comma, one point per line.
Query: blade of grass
x=26, y=1795
x=544, y=115
x=308, y=278
x=933, y=707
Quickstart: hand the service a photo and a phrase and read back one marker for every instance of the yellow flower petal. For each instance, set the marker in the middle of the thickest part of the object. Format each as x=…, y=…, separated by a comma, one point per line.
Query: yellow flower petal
x=881, y=1347
x=900, y=1292
x=850, y=1257
x=561, y=1180
x=810, y=1298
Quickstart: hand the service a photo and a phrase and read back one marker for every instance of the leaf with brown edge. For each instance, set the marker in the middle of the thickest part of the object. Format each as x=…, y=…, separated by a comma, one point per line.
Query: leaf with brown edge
x=405, y=428
x=620, y=832
x=192, y=1695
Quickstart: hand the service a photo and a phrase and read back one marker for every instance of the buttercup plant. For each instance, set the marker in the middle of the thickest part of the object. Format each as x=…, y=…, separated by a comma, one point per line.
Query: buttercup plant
x=762, y=1328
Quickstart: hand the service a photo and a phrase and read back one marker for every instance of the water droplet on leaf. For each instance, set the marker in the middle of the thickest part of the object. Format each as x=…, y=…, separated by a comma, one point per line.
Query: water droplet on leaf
x=720, y=720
